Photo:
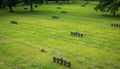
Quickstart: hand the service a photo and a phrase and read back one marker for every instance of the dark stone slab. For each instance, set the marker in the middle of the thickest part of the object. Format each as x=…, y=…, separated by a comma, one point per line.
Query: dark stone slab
x=14, y=22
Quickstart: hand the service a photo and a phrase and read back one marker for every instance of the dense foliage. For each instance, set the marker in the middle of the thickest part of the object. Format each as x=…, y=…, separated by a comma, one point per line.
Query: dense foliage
x=108, y=6
x=31, y=2
x=10, y=4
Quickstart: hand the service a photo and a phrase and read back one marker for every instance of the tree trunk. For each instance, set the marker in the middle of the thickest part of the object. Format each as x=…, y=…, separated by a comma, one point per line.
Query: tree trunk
x=3, y=6
x=114, y=12
x=11, y=9
x=67, y=1
x=31, y=7
x=0, y=6
x=46, y=1
x=56, y=1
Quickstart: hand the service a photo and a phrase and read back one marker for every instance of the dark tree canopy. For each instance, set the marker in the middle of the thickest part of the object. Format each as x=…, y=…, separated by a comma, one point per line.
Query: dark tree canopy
x=11, y=4
x=1, y=3
x=111, y=6
x=31, y=2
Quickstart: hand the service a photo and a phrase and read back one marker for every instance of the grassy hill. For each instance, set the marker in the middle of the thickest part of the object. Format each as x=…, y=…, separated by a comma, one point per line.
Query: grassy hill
x=20, y=43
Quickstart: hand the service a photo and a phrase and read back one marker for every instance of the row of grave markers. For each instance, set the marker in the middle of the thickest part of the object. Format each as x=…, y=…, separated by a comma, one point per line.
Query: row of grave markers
x=115, y=25
x=77, y=34
x=61, y=61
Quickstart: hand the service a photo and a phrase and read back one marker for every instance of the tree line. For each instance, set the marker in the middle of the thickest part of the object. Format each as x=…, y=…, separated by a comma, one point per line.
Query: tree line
x=13, y=3
x=111, y=6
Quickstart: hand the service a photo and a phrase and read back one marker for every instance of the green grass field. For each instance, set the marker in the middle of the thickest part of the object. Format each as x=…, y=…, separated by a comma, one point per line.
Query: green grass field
x=20, y=44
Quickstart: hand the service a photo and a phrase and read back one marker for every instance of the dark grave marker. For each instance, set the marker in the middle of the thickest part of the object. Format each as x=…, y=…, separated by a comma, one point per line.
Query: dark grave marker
x=72, y=33
x=94, y=59
x=58, y=60
x=18, y=58
x=63, y=11
x=95, y=66
x=105, y=63
x=116, y=65
x=81, y=35
x=76, y=55
x=85, y=63
x=58, y=7
x=25, y=60
x=69, y=64
x=55, y=17
x=112, y=25
x=11, y=65
x=76, y=33
x=117, y=25
x=54, y=59
x=61, y=50
x=40, y=67
x=36, y=6
x=86, y=57
x=42, y=50
x=25, y=8
x=32, y=63
x=14, y=22
x=6, y=61
x=18, y=67
x=68, y=53
x=49, y=47
x=61, y=60
x=64, y=62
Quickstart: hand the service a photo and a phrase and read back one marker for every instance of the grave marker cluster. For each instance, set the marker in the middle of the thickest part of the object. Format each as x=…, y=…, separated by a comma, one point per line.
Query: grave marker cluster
x=77, y=34
x=55, y=17
x=115, y=25
x=36, y=6
x=25, y=8
x=58, y=7
x=61, y=61
x=63, y=11
x=14, y=22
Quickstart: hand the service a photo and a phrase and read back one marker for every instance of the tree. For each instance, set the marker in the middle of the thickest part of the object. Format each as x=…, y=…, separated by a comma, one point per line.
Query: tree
x=11, y=4
x=1, y=3
x=111, y=6
x=56, y=1
x=31, y=2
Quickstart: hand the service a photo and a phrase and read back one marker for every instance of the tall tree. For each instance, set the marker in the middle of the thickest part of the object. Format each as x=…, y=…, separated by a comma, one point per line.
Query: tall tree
x=31, y=2
x=10, y=4
x=1, y=3
x=111, y=6
x=56, y=1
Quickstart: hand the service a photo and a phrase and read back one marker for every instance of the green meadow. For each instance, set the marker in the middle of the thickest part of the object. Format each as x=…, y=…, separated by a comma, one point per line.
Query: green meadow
x=20, y=43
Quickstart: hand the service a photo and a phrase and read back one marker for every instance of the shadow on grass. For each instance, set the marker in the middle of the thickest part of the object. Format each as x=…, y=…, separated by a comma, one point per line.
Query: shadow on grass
x=35, y=12
x=111, y=16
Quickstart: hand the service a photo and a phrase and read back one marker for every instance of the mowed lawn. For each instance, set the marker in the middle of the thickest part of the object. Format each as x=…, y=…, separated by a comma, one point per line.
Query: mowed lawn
x=20, y=43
